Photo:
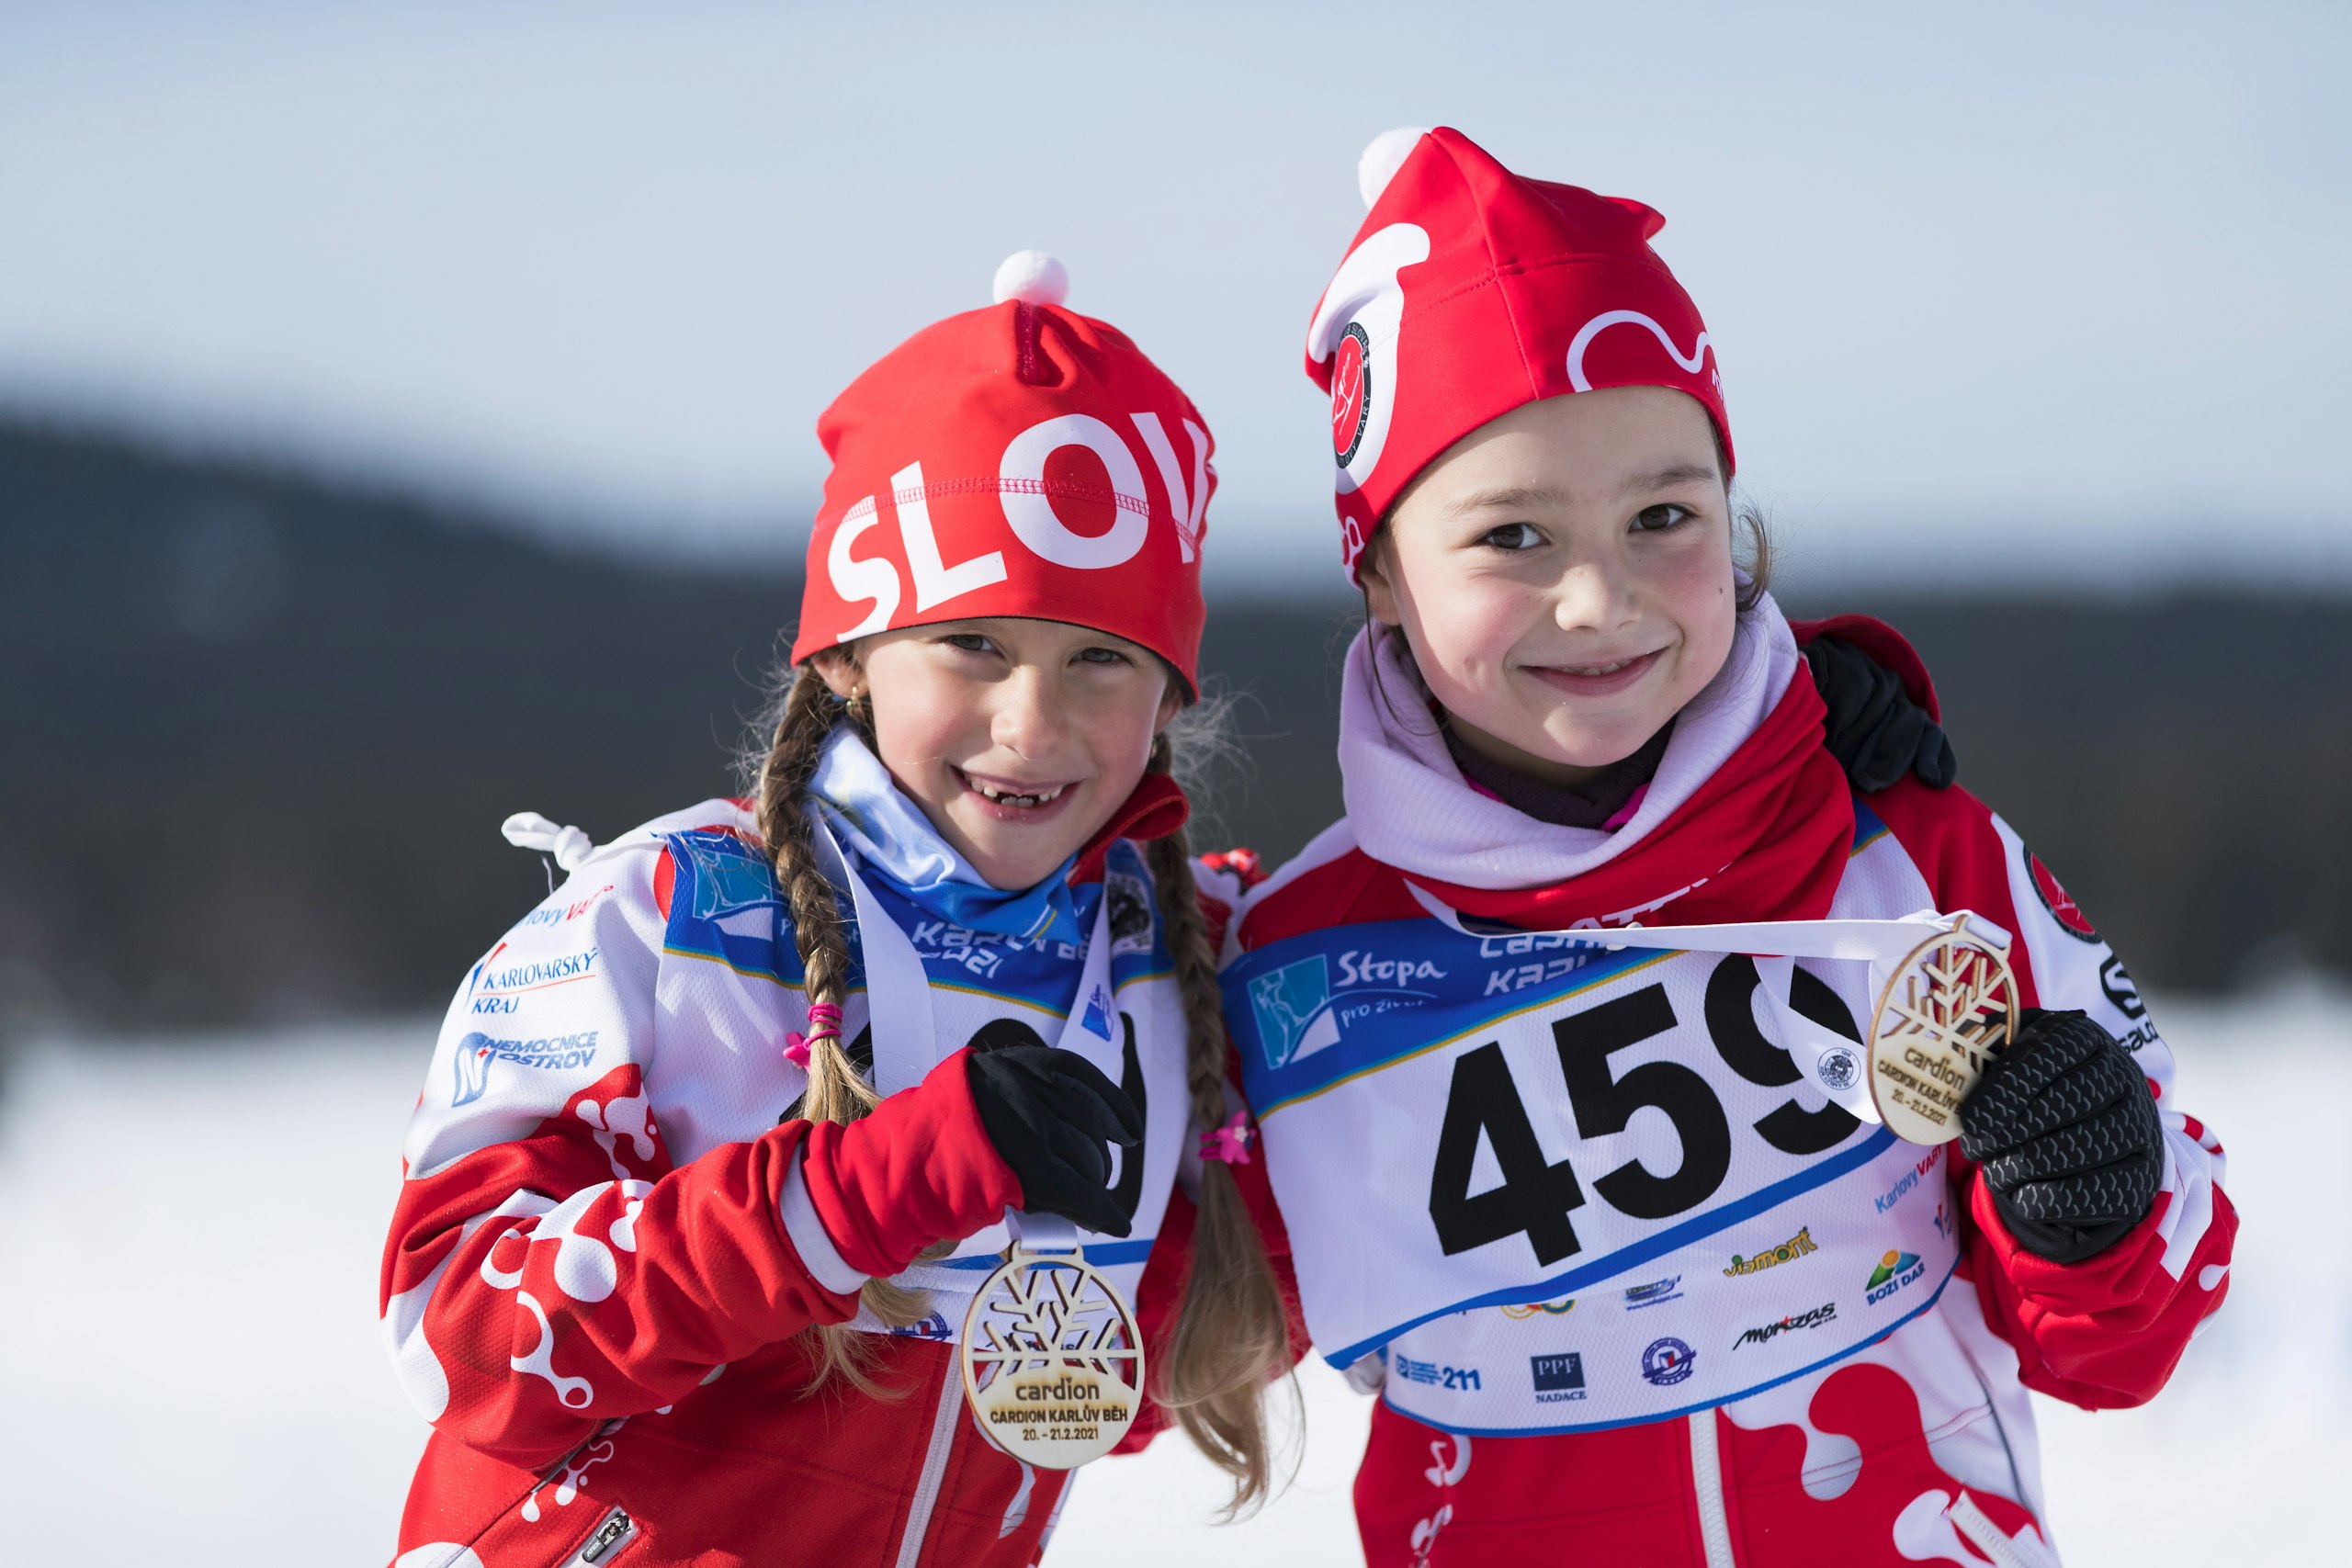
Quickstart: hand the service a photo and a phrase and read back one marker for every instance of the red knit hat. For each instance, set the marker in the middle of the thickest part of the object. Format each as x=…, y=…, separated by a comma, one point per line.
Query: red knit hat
x=1470, y=291
x=1020, y=461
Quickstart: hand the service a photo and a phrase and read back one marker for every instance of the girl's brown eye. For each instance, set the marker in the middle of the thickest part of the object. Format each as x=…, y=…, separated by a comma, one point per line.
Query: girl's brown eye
x=1510, y=536
x=1659, y=518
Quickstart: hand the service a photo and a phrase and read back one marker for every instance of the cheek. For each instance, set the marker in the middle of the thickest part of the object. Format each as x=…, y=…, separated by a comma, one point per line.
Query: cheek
x=1697, y=594
x=1465, y=625
x=917, y=725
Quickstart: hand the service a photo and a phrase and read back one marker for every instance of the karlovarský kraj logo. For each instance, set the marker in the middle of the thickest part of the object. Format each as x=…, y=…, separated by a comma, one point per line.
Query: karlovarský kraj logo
x=470, y=1068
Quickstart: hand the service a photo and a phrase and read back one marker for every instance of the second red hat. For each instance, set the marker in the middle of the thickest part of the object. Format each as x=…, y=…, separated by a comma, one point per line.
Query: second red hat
x=1469, y=291
x=1018, y=460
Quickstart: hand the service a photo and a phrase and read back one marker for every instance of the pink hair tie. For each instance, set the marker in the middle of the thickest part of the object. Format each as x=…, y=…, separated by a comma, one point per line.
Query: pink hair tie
x=1228, y=1144
x=825, y=1023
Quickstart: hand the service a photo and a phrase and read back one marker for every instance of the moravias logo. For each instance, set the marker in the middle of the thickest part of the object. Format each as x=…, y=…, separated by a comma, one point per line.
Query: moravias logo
x=1895, y=1270
x=1293, y=1008
x=1764, y=1333
x=470, y=1068
x=1560, y=1308
x=1558, y=1378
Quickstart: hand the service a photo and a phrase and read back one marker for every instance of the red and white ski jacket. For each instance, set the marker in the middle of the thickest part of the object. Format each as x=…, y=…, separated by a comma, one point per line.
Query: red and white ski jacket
x=1635, y=1293
x=602, y=1257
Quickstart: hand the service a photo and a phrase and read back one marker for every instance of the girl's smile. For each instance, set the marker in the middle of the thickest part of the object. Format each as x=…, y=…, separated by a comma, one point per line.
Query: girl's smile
x=1563, y=576
x=1018, y=737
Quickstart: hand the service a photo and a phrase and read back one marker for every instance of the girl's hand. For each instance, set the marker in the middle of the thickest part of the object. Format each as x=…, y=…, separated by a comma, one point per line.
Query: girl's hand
x=1874, y=729
x=1051, y=1115
x=2066, y=1136
x=1019, y=1127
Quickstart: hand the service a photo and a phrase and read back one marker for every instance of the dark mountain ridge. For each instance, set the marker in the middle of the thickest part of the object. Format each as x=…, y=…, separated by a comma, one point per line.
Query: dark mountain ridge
x=260, y=728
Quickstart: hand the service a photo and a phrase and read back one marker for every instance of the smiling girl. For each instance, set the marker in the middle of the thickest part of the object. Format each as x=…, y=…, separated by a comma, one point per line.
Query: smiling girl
x=1614, y=1225
x=719, y=1142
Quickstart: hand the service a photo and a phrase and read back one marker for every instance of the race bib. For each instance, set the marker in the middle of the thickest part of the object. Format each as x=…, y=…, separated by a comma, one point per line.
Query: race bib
x=1455, y=1123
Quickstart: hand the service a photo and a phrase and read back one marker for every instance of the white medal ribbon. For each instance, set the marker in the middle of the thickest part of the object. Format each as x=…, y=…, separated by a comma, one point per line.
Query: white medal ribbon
x=1830, y=1062
x=906, y=1041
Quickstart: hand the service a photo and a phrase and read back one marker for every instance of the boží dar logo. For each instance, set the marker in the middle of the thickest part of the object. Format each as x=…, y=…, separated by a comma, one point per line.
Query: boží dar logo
x=1895, y=1270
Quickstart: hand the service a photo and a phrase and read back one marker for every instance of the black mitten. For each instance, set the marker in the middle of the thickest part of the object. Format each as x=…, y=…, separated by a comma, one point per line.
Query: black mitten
x=2066, y=1135
x=1874, y=729
x=1050, y=1113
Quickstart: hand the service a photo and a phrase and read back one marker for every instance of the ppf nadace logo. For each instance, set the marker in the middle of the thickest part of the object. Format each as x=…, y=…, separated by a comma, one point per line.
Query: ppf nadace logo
x=1299, y=1010
x=1557, y=1377
x=470, y=1068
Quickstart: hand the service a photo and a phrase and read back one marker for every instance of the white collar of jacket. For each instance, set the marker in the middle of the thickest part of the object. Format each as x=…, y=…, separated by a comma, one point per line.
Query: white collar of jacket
x=1411, y=808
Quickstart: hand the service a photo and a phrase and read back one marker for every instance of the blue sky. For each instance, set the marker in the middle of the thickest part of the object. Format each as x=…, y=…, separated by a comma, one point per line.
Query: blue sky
x=2007, y=292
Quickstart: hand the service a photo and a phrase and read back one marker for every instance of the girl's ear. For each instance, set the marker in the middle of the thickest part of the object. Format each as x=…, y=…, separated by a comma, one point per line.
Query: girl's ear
x=838, y=667
x=1379, y=593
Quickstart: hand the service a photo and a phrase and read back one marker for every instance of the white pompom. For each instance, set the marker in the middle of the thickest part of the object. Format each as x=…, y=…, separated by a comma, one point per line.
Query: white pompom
x=1032, y=277
x=1382, y=157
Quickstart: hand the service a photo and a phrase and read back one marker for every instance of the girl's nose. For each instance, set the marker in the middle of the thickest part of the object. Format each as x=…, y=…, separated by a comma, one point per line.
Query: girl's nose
x=1593, y=596
x=1028, y=719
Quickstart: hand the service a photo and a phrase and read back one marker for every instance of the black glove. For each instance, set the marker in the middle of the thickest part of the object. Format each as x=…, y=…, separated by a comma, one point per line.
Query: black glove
x=1049, y=1114
x=1874, y=729
x=2066, y=1135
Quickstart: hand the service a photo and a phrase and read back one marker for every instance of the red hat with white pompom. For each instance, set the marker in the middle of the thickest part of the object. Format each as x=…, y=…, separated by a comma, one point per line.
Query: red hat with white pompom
x=1470, y=290
x=1018, y=460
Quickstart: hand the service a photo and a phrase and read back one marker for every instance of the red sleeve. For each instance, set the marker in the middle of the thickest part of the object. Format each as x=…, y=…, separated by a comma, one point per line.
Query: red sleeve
x=2109, y=1330
x=534, y=1289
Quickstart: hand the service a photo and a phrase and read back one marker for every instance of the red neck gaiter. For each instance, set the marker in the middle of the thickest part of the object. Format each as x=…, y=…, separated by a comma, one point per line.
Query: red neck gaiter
x=1764, y=839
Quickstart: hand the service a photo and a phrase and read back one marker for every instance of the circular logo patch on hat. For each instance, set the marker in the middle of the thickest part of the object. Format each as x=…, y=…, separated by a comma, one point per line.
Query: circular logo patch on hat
x=2055, y=899
x=1350, y=393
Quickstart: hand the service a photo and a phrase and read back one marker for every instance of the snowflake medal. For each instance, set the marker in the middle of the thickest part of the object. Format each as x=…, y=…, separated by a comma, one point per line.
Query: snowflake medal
x=1948, y=1007
x=1052, y=1355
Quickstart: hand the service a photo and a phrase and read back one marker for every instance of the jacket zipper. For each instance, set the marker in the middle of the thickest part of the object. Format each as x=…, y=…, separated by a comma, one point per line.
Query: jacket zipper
x=1707, y=1486
x=612, y=1532
x=934, y=1462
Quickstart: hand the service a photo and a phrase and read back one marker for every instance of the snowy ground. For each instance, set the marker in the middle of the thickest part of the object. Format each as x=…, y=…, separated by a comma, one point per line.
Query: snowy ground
x=190, y=1373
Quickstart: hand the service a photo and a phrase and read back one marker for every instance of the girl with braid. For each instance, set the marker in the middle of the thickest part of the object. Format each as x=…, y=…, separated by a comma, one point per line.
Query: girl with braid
x=718, y=1141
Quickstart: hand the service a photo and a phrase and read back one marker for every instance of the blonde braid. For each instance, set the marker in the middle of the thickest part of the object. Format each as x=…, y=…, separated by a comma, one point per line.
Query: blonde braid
x=836, y=1092
x=1230, y=1340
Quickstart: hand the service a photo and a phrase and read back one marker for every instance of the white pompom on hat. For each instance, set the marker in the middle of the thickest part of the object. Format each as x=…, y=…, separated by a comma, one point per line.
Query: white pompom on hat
x=1382, y=156
x=1034, y=278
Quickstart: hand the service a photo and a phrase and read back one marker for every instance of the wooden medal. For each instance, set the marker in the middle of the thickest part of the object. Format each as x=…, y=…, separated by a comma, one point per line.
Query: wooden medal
x=1053, y=1359
x=1948, y=1009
